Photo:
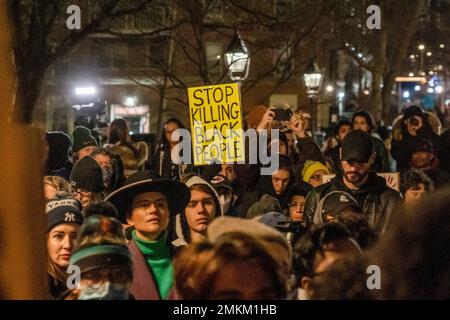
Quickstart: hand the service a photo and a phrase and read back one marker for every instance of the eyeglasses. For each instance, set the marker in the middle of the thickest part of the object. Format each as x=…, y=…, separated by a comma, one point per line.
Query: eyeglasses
x=81, y=192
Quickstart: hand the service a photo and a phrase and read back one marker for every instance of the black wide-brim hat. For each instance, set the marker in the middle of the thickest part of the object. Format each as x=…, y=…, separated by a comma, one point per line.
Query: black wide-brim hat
x=176, y=193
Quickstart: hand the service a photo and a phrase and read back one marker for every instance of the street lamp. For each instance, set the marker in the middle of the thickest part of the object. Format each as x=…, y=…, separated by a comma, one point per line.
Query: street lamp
x=421, y=48
x=237, y=59
x=313, y=81
x=130, y=101
x=85, y=91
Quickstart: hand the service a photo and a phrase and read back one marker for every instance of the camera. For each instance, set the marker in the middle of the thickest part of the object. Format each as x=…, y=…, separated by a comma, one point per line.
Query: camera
x=293, y=229
x=282, y=114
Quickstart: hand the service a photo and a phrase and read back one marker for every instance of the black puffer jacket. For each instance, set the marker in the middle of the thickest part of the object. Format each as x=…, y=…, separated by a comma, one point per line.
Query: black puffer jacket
x=375, y=197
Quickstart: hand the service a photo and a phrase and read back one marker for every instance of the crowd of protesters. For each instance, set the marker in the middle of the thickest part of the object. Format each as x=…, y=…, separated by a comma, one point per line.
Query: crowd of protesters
x=145, y=227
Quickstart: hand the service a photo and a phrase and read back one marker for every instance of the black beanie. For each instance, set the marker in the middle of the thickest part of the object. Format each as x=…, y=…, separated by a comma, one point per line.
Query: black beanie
x=412, y=111
x=59, y=144
x=82, y=138
x=66, y=210
x=87, y=174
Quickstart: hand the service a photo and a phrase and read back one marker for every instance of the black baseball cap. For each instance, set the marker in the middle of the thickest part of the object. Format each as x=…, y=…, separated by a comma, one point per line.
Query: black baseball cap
x=338, y=201
x=357, y=146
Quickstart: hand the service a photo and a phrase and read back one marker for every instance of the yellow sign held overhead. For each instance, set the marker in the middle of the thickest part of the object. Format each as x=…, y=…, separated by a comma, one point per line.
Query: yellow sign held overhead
x=216, y=124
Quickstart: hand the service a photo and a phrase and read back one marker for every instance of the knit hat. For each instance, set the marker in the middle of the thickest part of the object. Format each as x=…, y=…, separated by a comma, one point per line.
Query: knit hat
x=412, y=111
x=108, y=247
x=255, y=115
x=266, y=204
x=273, y=219
x=82, y=138
x=59, y=145
x=227, y=224
x=87, y=174
x=310, y=167
x=65, y=210
x=420, y=145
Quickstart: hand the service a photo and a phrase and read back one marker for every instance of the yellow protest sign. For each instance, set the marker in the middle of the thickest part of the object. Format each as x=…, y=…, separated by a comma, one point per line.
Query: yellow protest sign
x=216, y=124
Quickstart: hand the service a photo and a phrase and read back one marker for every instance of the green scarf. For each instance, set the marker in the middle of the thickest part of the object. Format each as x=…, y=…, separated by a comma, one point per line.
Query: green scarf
x=159, y=259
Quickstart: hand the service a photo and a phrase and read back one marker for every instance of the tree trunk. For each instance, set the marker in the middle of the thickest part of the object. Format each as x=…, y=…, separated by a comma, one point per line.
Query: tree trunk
x=388, y=112
x=28, y=92
x=375, y=106
x=23, y=256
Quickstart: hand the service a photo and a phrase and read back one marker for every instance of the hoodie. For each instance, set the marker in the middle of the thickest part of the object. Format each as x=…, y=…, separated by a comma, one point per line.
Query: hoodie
x=180, y=227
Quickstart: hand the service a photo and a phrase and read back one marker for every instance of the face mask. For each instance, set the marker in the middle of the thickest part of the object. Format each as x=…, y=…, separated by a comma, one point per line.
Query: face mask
x=104, y=291
x=225, y=203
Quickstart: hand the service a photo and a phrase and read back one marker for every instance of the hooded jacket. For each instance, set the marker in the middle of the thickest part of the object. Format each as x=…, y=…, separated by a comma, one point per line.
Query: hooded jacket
x=264, y=186
x=376, y=199
x=179, y=225
x=401, y=143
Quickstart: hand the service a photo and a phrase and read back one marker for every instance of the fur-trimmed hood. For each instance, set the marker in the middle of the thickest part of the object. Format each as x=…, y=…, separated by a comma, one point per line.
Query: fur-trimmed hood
x=433, y=120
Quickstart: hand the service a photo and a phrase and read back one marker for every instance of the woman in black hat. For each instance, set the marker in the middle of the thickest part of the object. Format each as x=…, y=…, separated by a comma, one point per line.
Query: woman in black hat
x=64, y=219
x=146, y=202
x=87, y=181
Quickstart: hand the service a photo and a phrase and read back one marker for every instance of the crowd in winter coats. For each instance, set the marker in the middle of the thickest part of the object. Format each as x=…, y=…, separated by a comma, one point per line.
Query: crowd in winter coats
x=148, y=228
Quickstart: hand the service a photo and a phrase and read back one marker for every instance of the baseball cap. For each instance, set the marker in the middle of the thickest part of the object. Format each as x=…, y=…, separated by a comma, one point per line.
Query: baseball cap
x=358, y=146
x=338, y=201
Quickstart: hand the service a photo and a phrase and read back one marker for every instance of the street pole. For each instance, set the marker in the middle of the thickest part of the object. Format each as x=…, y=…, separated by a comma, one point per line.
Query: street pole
x=313, y=103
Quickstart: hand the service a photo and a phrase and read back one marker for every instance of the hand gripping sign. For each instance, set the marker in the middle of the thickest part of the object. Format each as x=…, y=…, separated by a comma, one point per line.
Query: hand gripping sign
x=216, y=124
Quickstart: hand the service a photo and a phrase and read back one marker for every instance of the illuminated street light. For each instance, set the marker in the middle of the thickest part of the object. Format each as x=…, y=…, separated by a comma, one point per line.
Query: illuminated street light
x=237, y=59
x=430, y=90
x=366, y=92
x=406, y=94
x=410, y=74
x=421, y=47
x=429, y=54
x=417, y=88
x=438, y=89
x=85, y=91
x=412, y=57
x=130, y=101
x=442, y=46
x=329, y=88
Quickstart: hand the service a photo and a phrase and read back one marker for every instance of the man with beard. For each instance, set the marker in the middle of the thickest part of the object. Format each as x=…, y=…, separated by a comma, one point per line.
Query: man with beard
x=375, y=198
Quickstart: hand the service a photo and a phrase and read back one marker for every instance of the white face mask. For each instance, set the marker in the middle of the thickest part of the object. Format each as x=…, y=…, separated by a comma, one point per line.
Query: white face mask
x=104, y=291
x=225, y=203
